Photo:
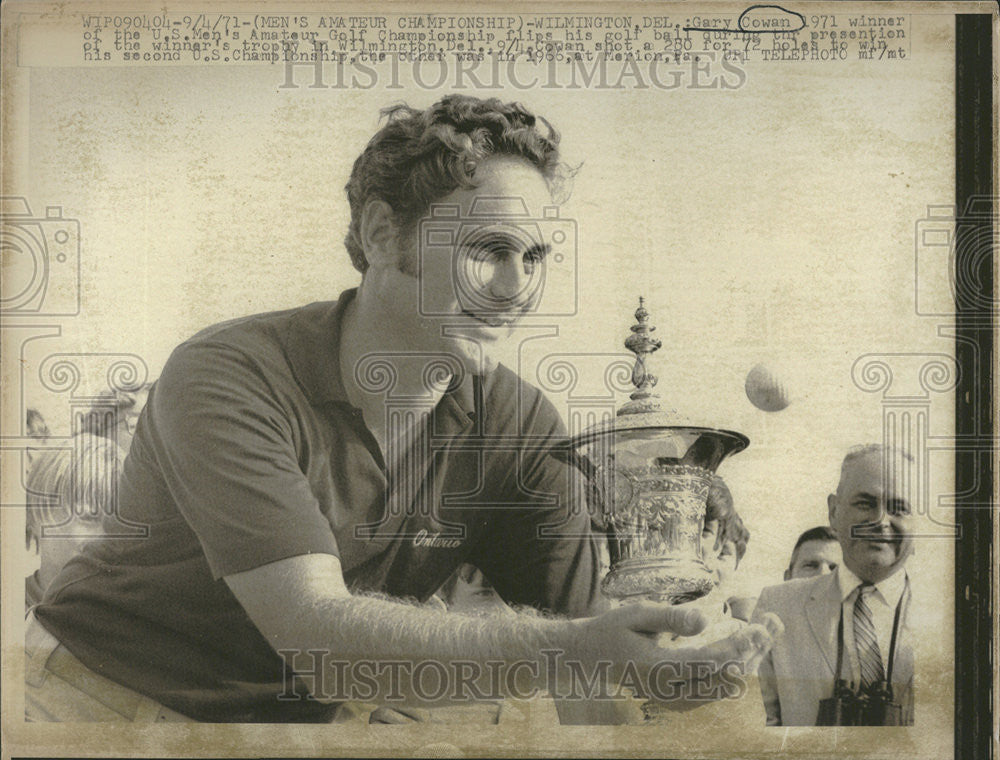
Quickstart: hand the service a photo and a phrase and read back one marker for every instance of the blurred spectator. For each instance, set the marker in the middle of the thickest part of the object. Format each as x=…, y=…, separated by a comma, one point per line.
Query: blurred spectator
x=724, y=536
x=68, y=492
x=35, y=424
x=723, y=543
x=724, y=540
x=36, y=428
x=816, y=552
x=115, y=414
x=467, y=590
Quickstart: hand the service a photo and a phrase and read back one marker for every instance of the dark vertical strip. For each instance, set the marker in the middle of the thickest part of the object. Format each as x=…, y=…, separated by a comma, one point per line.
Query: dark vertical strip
x=976, y=310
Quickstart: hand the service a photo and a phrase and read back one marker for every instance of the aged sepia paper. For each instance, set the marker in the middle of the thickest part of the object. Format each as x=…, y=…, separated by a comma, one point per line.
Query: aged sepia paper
x=776, y=182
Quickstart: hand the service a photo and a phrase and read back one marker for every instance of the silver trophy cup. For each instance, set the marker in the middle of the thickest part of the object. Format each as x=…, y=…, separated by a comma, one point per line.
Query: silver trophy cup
x=651, y=471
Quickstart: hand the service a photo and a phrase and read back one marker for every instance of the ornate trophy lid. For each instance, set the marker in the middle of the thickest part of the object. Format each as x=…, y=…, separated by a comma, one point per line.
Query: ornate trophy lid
x=645, y=408
x=644, y=411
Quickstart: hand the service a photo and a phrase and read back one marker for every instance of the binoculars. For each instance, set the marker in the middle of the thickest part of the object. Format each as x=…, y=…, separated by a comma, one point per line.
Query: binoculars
x=848, y=707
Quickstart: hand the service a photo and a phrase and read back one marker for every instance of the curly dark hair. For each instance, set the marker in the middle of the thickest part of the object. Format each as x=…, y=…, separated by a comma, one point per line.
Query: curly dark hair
x=418, y=157
x=731, y=527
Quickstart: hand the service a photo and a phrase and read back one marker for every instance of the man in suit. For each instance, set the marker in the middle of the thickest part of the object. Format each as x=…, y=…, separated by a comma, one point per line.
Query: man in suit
x=856, y=616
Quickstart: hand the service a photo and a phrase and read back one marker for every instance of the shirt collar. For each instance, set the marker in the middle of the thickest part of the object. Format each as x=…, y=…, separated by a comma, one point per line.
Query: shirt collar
x=891, y=588
x=312, y=346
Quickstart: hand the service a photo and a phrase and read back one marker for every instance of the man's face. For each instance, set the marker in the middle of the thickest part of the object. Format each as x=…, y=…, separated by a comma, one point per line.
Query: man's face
x=473, y=593
x=719, y=555
x=467, y=298
x=813, y=558
x=872, y=518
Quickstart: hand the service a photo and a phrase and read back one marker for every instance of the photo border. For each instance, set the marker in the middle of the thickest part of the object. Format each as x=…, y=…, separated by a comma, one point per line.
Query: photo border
x=976, y=427
x=975, y=325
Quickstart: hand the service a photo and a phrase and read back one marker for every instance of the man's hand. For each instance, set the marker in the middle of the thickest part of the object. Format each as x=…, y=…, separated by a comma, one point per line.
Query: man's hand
x=625, y=647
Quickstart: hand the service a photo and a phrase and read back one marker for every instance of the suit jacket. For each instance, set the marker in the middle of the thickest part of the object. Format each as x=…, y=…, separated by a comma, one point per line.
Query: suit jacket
x=798, y=672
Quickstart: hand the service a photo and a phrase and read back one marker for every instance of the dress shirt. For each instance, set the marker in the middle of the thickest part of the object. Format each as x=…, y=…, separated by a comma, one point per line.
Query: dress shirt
x=882, y=602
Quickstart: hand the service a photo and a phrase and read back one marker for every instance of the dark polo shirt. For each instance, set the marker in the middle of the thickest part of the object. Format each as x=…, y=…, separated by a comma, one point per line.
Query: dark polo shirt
x=248, y=452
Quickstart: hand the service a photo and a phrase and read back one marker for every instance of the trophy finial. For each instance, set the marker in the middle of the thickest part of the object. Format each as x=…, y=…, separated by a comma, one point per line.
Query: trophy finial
x=642, y=343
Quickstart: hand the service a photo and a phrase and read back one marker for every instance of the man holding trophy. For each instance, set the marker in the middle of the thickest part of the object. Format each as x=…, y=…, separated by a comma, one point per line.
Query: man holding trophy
x=294, y=501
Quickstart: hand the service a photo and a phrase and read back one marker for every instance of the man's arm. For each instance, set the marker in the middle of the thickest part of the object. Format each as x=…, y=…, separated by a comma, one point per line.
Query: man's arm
x=302, y=604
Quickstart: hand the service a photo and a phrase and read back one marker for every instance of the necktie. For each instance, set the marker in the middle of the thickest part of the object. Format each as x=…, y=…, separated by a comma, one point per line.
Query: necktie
x=869, y=657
